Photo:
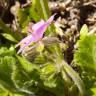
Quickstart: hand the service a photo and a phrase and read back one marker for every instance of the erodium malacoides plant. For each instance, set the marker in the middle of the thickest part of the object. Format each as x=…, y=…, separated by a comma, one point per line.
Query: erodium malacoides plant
x=37, y=31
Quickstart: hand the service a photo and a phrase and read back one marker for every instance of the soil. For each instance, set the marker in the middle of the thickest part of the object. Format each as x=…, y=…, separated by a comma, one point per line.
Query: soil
x=71, y=15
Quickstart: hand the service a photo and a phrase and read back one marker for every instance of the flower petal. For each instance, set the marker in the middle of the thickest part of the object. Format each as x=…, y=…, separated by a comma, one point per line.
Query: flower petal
x=26, y=39
x=37, y=31
x=22, y=48
x=49, y=21
x=35, y=26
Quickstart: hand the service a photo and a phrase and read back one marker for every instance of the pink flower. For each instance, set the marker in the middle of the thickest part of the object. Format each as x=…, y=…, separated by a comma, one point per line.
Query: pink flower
x=37, y=31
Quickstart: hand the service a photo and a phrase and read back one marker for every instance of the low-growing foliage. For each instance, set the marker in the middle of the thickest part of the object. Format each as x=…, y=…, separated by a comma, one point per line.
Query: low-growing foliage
x=85, y=59
x=41, y=69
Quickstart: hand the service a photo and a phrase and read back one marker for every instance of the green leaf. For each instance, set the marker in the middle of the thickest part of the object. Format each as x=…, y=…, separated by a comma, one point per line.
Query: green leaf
x=85, y=59
x=40, y=48
x=94, y=91
x=33, y=14
x=4, y=51
x=75, y=77
x=85, y=56
x=9, y=37
x=40, y=7
x=20, y=78
x=25, y=76
x=40, y=59
x=48, y=73
x=66, y=77
x=24, y=19
x=6, y=64
x=89, y=79
x=26, y=65
x=54, y=50
x=25, y=82
x=52, y=79
x=3, y=91
x=83, y=31
x=13, y=36
x=45, y=8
